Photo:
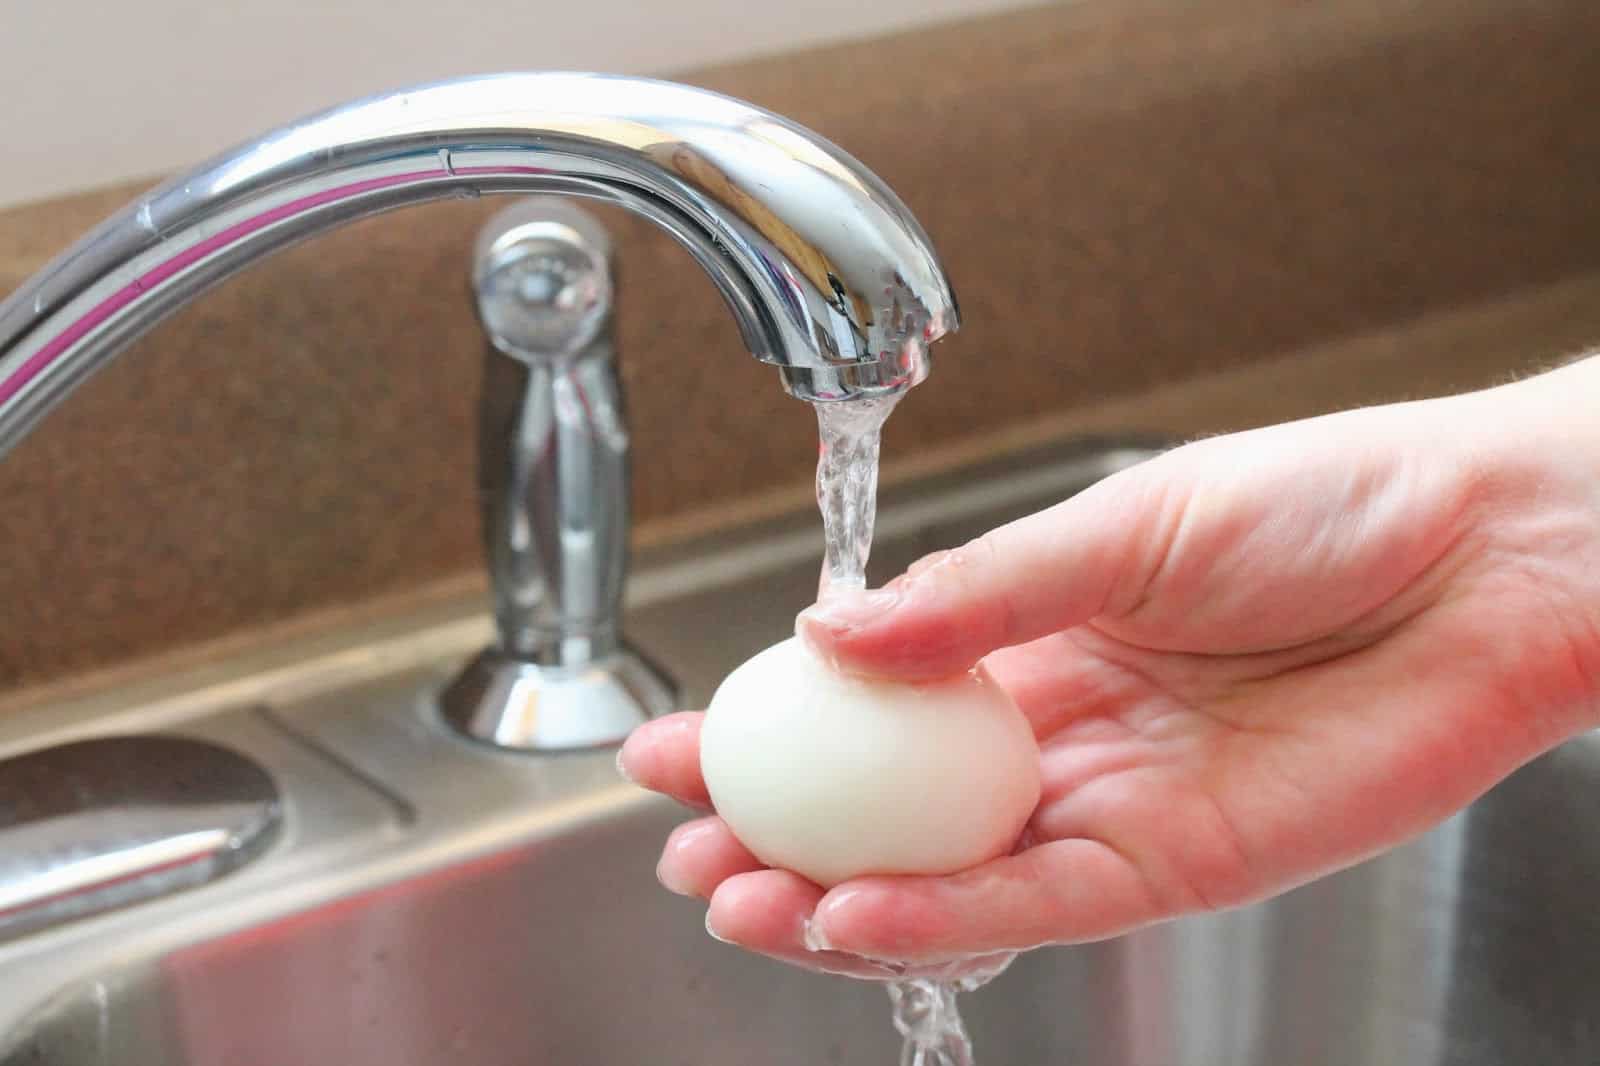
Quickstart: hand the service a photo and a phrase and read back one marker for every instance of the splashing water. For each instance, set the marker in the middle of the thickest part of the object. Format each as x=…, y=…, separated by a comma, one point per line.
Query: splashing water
x=925, y=1011
x=929, y=1022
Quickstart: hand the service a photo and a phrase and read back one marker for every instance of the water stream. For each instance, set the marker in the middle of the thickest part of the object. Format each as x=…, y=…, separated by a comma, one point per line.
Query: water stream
x=925, y=1011
x=847, y=486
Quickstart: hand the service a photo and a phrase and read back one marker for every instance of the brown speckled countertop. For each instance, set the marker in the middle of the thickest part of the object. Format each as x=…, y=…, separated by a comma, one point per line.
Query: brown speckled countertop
x=1127, y=195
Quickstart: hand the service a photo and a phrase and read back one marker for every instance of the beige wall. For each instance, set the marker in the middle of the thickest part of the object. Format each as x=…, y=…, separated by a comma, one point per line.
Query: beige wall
x=98, y=91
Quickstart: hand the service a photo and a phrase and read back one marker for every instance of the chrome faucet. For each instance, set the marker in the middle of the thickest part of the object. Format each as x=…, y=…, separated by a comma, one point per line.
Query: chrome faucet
x=827, y=273
x=553, y=480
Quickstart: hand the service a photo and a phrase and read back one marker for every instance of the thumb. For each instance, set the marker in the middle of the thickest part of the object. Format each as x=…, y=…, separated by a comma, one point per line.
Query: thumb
x=1092, y=554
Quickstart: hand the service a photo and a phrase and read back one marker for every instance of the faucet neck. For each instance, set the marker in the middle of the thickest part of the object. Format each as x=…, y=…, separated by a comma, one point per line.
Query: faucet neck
x=825, y=270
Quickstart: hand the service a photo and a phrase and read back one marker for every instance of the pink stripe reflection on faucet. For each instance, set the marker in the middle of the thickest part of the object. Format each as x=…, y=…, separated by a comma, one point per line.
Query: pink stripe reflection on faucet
x=142, y=284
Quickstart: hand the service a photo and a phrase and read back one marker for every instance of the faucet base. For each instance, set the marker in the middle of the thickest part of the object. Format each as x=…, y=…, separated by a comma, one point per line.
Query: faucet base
x=508, y=702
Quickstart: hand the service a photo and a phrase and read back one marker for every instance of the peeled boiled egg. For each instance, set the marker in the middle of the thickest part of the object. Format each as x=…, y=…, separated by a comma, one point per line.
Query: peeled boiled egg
x=836, y=777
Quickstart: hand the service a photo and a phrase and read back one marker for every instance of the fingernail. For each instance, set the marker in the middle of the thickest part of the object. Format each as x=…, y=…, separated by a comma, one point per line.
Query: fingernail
x=850, y=610
x=812, y=937
x=712, y=932
x=622, y=770
x=669, y=881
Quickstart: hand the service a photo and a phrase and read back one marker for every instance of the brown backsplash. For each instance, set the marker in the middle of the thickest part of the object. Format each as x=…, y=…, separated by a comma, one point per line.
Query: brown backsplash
x=1126, y=195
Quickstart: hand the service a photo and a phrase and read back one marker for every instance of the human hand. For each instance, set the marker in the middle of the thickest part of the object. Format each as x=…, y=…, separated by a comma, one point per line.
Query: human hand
x=1249, y=662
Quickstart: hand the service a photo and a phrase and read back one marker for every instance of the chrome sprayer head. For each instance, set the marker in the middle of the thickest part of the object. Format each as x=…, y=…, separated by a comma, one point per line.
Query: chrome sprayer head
x=542, y=278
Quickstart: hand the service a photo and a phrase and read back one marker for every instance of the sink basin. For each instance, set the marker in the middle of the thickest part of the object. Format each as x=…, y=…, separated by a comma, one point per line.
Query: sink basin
x=430, y=900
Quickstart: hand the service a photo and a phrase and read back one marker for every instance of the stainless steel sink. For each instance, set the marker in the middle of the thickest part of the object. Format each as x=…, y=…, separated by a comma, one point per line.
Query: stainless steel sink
x=429, y=900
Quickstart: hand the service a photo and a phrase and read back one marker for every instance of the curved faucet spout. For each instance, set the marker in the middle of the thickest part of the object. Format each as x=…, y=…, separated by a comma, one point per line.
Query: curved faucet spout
x=826, y=271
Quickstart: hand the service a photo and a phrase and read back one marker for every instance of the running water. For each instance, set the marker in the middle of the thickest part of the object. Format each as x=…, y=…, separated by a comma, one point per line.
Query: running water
x=925, y=1011
x=847, y=485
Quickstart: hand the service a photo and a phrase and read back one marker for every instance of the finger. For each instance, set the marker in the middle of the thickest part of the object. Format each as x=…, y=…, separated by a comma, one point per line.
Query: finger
x=1047, y=572
x=767, y=912
x=1066, y=891
x=700, y=855
x=664, y=756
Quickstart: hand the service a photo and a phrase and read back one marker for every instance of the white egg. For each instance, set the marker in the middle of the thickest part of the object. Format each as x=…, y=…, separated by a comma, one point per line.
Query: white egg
x=836, y=777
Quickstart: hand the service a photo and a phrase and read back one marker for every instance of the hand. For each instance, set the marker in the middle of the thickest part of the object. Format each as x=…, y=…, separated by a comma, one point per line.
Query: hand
x=1249, y=662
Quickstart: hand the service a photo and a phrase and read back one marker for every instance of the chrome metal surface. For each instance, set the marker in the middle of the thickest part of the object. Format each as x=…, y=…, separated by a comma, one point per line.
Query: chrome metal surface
x=826, y=271
x=513, y=703
x=89, y=826
x=541, y=272
x=553, y=442
x=440, y=901
x=553, y=479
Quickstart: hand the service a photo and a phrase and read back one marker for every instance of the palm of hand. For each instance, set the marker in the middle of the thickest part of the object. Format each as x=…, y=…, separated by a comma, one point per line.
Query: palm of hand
x=1282, y=699
x=1287, y=684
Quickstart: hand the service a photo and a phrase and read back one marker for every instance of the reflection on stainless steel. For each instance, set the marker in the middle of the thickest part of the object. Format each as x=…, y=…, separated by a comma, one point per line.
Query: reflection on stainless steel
x=827, y=273
x=510, y=702
x=514, y=916
x=98, y=824
x=553, y=476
